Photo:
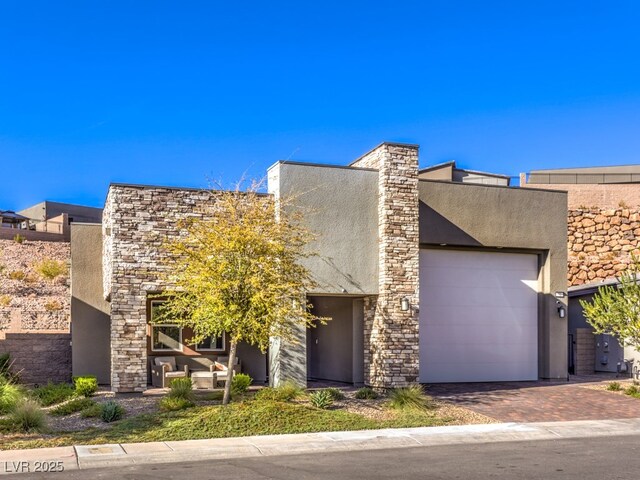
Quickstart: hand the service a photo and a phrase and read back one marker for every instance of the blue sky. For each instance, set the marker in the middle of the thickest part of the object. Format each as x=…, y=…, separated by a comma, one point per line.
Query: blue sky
x=175, y=93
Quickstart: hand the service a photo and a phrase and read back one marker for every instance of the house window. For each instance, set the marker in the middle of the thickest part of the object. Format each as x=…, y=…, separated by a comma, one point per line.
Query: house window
x=211, y=344
x=165, y=337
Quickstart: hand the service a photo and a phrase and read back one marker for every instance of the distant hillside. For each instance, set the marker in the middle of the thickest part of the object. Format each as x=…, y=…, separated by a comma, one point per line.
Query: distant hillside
x=34, y=286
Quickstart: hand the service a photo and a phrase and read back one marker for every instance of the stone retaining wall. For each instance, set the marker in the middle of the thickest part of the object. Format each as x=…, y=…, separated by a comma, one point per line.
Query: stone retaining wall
x=601, y=242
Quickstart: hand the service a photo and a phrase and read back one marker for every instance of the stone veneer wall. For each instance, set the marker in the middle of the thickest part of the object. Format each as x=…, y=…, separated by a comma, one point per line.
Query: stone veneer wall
x=600, y=242
x=391, y=335
x=137, y=221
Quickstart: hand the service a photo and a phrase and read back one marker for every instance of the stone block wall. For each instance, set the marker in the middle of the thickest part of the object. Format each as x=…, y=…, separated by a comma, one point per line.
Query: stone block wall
x=391, y=335
x=39, y=357
x=137, y=223
x=601, y=242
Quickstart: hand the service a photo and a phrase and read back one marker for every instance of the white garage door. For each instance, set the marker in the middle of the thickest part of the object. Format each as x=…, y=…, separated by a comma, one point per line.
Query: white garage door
x=478, y=316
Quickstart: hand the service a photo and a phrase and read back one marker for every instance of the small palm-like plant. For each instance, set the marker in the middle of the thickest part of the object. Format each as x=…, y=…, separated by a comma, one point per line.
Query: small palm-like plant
x=111, y=411
x=321, y=399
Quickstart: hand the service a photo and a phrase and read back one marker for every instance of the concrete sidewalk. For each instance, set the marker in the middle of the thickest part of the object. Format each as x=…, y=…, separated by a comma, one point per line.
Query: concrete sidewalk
x=85, y=457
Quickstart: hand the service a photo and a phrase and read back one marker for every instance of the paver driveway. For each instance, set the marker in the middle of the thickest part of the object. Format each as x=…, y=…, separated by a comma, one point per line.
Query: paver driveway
x=538, y=401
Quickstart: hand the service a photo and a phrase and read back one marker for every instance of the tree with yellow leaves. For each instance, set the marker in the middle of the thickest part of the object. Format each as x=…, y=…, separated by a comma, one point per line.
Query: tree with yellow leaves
x=236, y=270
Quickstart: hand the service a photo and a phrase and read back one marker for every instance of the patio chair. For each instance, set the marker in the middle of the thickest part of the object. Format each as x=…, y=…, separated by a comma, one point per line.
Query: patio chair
x=220, y=366
x=164, y=370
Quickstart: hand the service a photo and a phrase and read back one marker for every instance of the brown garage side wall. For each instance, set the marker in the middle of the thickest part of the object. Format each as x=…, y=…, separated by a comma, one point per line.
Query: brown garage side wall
x=39, y=357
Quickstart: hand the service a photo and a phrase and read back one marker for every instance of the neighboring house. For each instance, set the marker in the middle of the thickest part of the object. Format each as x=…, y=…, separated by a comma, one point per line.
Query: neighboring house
x=602, y=187
x=11, y=219
x=603, y=232
x=48, y=210
x=599, y=353
x=448, y=171
x=426, y=280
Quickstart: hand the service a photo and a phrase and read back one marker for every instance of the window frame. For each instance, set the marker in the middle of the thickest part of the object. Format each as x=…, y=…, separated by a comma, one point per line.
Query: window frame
x=154, y=325
x=223, y=349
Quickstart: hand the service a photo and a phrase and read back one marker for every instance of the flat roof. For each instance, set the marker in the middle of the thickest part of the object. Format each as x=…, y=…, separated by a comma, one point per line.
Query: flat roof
x=164, y=187
x=512, y=187
x=452, y=163
x=321, y=165
x=624, y=169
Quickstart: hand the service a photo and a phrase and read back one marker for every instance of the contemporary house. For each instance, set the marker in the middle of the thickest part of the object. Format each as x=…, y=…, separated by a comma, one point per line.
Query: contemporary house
x=48, y=210
x=602, y=187
x=428, y=275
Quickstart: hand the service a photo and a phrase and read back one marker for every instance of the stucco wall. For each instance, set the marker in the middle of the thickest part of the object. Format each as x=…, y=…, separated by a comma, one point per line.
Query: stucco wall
x=466, y=215
x=90, y=321
x=340, y=207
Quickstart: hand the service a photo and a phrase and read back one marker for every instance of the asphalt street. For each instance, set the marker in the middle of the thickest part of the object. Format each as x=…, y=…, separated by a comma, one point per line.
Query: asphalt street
x=599, y=458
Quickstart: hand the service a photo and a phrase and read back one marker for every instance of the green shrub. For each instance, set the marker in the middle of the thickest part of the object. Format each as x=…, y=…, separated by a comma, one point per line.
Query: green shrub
x=10, y=395
x=52, y=393
x=336, y=393
x=410, y=398
x=86, y=385
x=632, y=390
x=73, y=406
x=240, y=383
x=93, y=411
x=366, y=393
x=18, y=238
x=181, y=388
x=614, y=386
x=5, y=364
x=5, y=300
x=27, y=416
x=321, y=399
x=284, y=393
x=50, y=268
x=111, y=411
x=172, y=404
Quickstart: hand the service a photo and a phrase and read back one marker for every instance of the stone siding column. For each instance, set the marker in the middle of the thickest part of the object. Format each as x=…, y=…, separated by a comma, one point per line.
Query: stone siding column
x=391, y=334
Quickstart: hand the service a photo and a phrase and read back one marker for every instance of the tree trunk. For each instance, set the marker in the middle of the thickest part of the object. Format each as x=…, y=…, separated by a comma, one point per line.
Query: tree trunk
x=232, y=361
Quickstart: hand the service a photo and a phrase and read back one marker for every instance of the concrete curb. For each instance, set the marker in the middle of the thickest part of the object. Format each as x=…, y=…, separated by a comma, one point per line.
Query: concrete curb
x=93, y=456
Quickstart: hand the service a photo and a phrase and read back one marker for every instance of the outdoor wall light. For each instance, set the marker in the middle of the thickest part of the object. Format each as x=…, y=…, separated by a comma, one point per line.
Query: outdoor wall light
x=404, y=304
x=562, y=312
